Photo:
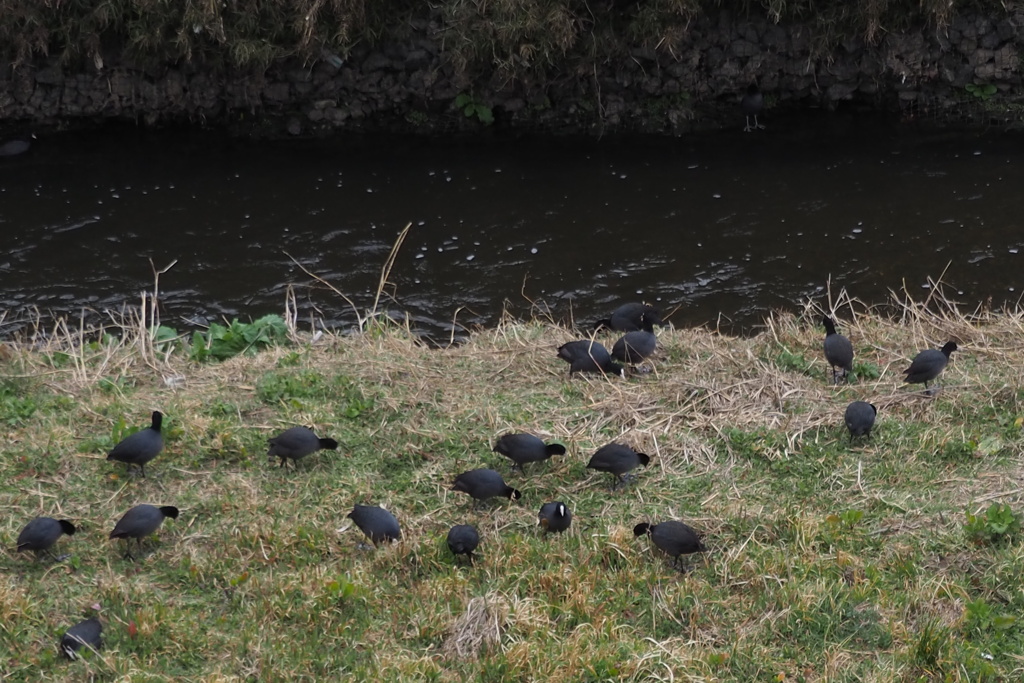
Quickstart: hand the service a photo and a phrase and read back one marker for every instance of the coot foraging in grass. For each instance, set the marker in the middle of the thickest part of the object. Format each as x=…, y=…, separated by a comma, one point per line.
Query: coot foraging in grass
x=929, y=364
x=523, y=448
x=139, y=522
x=586, y=355
x=16, y=146
x=296, y=443
x=838, y=351
x=555, y=516
x=140, y=447
x=752, y=104
x=85, y=634
x=463, y=540
x=860, y=418
x=631, y=317
x=483, y=484
x=378, y=524
x=634, y=347
x=617, y=460
x=673, y=538
x=41, y=533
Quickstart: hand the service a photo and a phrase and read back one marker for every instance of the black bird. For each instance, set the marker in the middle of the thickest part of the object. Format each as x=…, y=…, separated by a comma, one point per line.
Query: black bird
x=463, y=540
x=555, y=516
x=634, y=347
x=929, y=364
x=296, y=443
x=140, y=447
x=524, y=448
x=617, y=460
x=141, y=521
x=752, y=104
x=838, y=350
x=586, y=355
x=378, y=524
x=483, y=484
x=673, y=538
x=631, y=317
x=860, y=418
x=85, y=634
x=41, y=533
x=15, y=146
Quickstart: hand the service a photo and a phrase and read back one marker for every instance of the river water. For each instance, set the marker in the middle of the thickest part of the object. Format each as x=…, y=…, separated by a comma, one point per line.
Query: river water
x=719, y=227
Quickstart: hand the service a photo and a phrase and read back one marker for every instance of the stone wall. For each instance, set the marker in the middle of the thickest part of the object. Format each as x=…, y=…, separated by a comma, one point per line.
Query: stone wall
x=972, y=66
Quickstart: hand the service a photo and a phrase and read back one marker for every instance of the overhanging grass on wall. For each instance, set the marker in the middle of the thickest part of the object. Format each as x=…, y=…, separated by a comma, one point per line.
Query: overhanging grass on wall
x=514, y=37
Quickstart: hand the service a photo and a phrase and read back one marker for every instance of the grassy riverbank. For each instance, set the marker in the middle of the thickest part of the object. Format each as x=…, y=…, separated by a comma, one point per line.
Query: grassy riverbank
x=827, y=561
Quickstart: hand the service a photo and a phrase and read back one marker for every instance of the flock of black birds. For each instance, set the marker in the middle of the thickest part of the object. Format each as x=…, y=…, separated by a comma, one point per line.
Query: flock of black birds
x=637, y=321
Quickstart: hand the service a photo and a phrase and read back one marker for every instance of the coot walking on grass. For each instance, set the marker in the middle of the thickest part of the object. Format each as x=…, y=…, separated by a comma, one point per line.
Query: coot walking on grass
x=296, y=443
x=634, y=347
x=860, y=418
x=140, y=447
x=483, y=484
x=929, y=364
x=617, y=460
x=463, y=540
x=586, y=355
x=673, y=538
x=523, y=448
x=85, y=634
x=41, y=533
x=378, y=524
x=139, y=522
x=555, y=517
x=838, y=351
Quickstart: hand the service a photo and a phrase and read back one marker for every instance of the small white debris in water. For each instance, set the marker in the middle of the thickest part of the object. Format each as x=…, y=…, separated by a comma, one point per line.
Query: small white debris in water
x=447, y=178
x=421, y=223
x=533, y=250
x=977, y=153
x=717, y=196
x=1013, y=250
x=419, y=255
x=470, y=257
x=692, y=167
x=857, y=231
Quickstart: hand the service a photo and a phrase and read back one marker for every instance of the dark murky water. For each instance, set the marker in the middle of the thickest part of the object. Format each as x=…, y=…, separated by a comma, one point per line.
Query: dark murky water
x=725, y=224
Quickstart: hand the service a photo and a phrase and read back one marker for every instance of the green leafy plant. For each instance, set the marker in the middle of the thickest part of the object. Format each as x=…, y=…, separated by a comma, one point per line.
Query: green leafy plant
x=220, y=342
x=471, y=107
x=982, y=617
x=998, y=523
x=981, y=92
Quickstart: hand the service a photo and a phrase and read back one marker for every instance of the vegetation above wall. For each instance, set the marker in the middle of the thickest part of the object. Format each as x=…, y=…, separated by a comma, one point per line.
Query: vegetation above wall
x=518, y=38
